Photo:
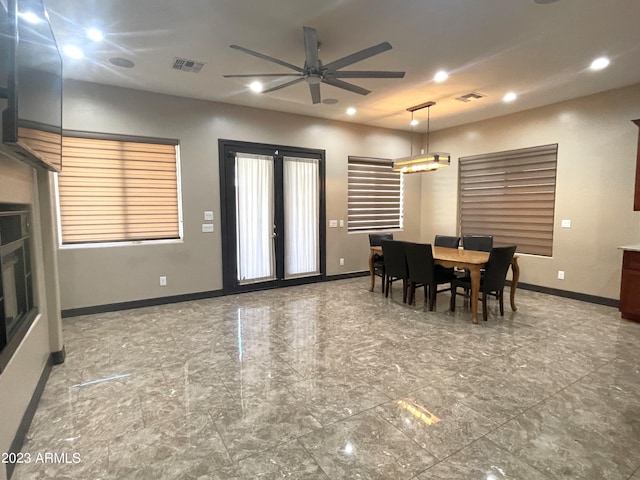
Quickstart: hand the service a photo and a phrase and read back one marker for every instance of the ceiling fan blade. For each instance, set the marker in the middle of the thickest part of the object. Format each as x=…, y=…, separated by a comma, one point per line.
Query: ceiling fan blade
x=358, y=56
x=369, y=74
x=311, y=48
x=314, y=88
x=266, y=57
x=245, y=75
x=283, y=85
x=347, y=86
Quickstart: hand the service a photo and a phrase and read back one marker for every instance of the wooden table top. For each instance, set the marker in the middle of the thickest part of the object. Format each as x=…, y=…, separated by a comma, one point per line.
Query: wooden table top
x=457, y=255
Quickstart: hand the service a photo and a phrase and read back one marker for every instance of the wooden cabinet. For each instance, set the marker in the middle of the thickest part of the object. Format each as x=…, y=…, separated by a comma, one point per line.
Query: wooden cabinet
x=636, y=197
x=630, y=286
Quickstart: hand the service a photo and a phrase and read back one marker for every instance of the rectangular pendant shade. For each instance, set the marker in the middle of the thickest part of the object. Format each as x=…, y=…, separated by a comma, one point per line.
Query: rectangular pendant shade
x=422, y=163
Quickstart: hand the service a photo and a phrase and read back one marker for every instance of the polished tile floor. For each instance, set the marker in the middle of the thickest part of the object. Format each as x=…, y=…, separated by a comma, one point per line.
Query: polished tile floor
x=331, y=381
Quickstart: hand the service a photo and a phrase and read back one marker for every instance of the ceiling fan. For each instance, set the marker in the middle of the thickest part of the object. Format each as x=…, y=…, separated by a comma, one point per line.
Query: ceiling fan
x=314, y=72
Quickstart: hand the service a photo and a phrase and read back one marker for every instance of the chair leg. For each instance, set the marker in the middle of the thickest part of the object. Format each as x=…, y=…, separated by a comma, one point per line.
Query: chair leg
x=452, y=302
x=412, y=292
x=387, y=288
x=501, y=301
x=384, y=279
x=484, y=306
x=433, y=290
x=404, y=291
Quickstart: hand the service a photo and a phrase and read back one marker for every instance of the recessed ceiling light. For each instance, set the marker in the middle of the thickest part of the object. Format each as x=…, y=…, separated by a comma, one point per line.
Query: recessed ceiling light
x=94, y=34
x=414, y=122
x=73, y=52
x=509, y=97
x=256, y=86
x=30, y=17
x=441, y=76
x=599, y=63
x=351, y=111
x=121, y=62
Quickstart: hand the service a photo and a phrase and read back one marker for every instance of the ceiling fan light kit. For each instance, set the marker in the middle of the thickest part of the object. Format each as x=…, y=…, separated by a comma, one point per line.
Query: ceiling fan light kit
x=424, y=162
x=314, y=72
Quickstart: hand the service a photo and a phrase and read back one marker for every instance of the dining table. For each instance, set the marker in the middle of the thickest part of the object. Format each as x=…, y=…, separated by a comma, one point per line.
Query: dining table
x=472, y=260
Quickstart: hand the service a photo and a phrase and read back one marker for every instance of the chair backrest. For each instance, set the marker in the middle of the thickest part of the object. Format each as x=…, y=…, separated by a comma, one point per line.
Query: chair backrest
x=395, y=263
x=376, y=239
x=481, y=243
x=420, y=262
x=446, y=241
x=497, y=267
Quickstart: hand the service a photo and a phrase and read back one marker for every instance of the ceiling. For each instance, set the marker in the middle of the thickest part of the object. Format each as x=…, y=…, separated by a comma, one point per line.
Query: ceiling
x=539, y=51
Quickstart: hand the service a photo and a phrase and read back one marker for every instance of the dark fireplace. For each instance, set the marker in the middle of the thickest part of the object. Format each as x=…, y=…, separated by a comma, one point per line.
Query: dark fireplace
x=17, y=309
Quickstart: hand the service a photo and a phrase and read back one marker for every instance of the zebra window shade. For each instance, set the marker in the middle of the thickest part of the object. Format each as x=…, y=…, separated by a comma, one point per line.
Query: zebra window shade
x=111, y=191
x=374, y=195
x=510, y=195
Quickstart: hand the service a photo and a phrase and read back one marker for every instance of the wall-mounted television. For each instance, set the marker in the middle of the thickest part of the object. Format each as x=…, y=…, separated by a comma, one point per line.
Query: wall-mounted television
x=30, y=85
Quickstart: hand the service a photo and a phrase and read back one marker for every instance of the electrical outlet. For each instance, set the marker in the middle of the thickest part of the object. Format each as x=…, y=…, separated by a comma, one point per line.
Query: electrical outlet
x=566, y=223
x=163, y=281
x=342, y=261
x=333, y=223
x=560, y=274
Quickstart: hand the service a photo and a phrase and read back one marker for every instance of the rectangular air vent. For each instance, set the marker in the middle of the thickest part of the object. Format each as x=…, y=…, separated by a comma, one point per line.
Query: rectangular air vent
x=470, y=96
x=186, y=65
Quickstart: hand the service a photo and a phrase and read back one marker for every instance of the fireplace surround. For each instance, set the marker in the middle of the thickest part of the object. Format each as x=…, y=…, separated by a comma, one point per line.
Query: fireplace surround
x=17, y=309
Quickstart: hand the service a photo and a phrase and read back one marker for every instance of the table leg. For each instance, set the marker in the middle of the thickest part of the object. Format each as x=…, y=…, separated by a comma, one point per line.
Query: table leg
x=371, y=271
x=514, y=282
x=475, y=290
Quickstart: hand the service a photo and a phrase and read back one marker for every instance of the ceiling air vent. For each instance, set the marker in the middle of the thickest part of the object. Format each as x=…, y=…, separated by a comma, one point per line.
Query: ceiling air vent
x=470, y=96
x=186, y=65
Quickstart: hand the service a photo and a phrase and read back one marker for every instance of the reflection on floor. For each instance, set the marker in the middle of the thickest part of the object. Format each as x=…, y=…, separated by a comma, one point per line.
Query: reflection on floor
x=331, y=381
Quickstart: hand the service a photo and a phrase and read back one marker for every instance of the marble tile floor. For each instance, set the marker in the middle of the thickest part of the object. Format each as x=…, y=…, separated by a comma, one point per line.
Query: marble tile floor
x=331, y=381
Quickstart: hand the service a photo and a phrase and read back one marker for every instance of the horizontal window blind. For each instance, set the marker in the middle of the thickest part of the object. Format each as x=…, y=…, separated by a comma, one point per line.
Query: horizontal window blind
x=112, y=191
x=374, y=195
x=45, y=144
x=510, y=195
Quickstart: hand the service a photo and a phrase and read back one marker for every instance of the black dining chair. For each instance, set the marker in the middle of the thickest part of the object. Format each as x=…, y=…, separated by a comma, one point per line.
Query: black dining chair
x=446, y=241
x=480, y=243
x=423, y=272
x=493, y=280
x=449, y=242
x=375, y=240
x=395, y=266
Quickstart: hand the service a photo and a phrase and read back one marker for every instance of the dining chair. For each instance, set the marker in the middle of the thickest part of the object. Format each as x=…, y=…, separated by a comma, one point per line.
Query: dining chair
x=446, y=241
x=395, y=266
x=423, y=272
x=480, y=243
x=375, y=240
x=493, y=280
x=449, y=242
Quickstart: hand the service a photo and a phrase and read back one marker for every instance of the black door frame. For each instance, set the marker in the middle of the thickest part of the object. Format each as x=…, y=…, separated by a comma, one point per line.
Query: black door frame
x=227, y=150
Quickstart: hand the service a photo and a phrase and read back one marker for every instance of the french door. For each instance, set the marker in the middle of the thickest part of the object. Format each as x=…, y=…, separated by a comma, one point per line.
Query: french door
x=272, y=214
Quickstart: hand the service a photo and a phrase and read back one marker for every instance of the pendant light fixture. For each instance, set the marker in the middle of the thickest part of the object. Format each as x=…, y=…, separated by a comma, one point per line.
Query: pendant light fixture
x=424, y=162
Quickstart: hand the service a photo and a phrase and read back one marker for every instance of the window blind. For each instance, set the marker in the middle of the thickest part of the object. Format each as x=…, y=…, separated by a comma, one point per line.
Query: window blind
x=111, y=190
x=510, y=195
x=374, y=195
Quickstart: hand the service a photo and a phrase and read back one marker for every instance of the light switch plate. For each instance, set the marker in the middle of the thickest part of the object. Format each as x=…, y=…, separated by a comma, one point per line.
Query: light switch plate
x=333, y=223
x=207, y=227
x=208, y=215
x=566, y=223
x=341, y=223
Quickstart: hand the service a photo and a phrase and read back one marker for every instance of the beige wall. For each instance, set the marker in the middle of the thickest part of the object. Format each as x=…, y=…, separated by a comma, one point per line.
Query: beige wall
x=595, y=179
x=97, y=276
x=18, y=381
x=596, y=162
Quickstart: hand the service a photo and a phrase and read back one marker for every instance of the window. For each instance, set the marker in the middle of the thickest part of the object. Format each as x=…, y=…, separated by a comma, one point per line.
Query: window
x=115, y=190
x=375, y=195
x=510, y=195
